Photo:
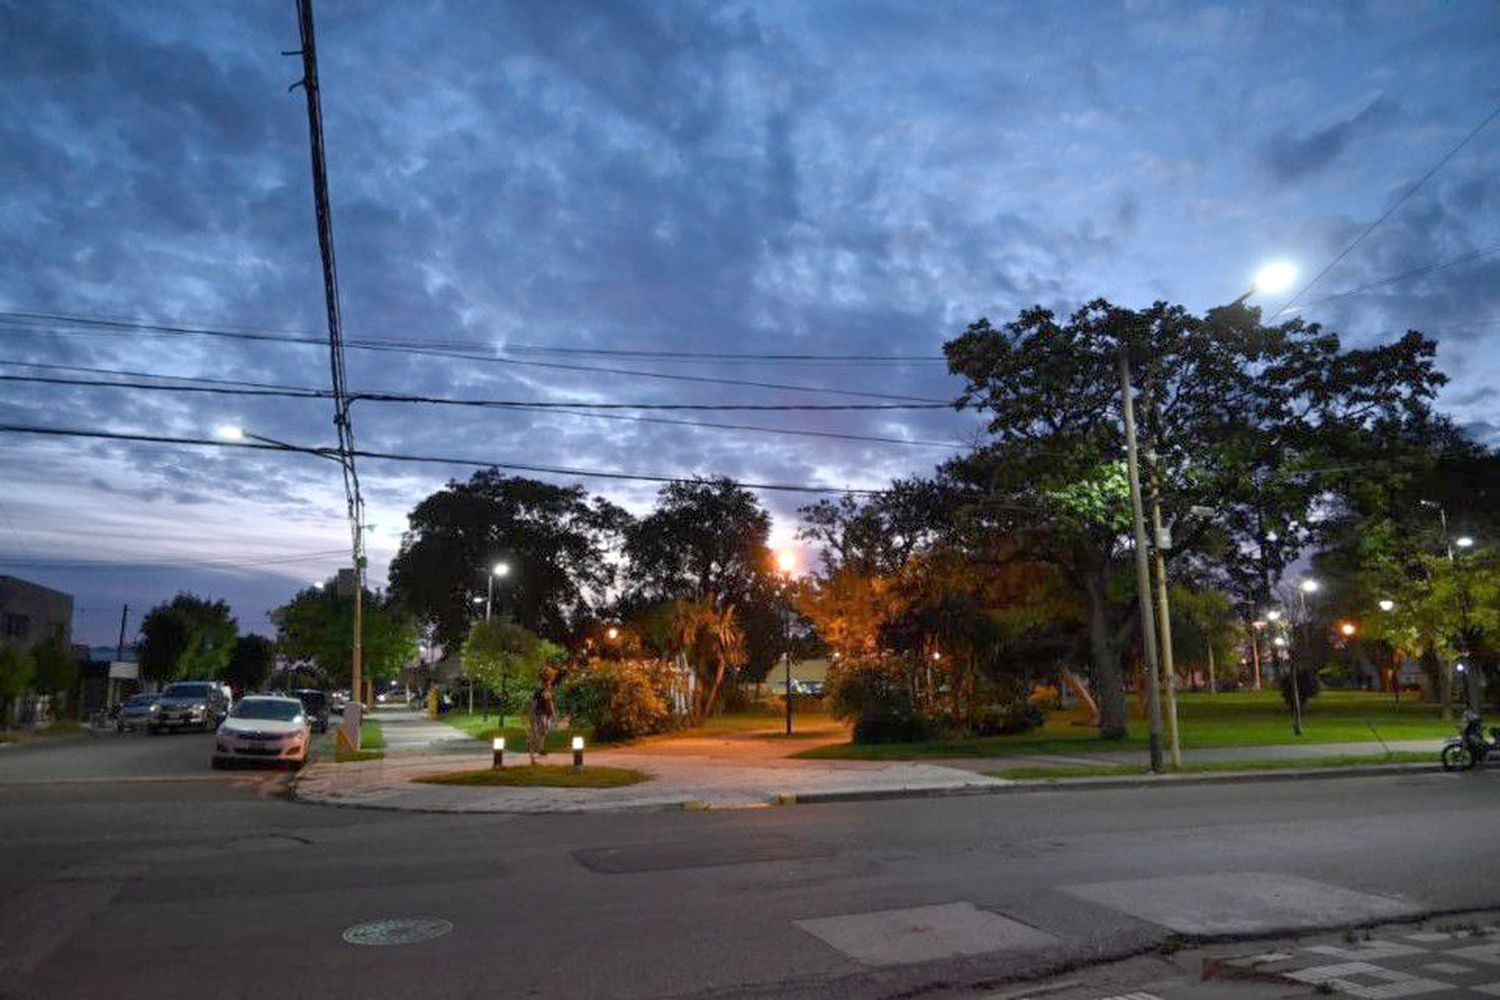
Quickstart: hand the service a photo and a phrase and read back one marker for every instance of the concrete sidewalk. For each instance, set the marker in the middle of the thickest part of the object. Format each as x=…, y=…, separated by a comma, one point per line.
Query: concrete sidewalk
x=410, y=731
x=1207, y=755
x=677, y=782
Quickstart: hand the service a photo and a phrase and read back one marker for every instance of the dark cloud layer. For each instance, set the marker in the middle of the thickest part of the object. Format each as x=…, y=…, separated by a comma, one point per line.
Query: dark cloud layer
x=830, y=178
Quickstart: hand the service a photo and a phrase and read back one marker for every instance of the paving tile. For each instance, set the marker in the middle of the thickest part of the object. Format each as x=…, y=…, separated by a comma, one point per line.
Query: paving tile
x=1380, y=983
x=1448, y=968
x=1367, y=950
x=1488, y=952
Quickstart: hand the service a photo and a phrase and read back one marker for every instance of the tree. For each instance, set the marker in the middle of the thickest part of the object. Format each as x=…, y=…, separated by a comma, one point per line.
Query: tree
x=554, y=538
x=187, y=637
x=707, y=634
x=317, y=625
x=876, y=534
x=251, y=663
x=56, y=667
x=504, y=656
x=704, y=537
x=1236, y=417
x=17, y=667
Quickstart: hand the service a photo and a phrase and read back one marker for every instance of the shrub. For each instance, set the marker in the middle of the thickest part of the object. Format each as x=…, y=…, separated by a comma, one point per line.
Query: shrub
x=1308, y=686
x=1002, y=719
x=876, y=696
x=619, y=699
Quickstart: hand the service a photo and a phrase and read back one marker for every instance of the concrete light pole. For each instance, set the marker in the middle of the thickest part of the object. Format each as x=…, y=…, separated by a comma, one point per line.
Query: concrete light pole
x=786, y=563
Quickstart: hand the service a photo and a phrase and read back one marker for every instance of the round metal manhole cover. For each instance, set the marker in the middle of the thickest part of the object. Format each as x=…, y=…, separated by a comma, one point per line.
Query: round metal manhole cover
x=397, y=931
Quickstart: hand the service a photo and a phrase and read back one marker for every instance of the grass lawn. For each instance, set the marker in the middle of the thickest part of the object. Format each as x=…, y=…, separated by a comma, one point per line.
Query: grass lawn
x=513, y=729
x=541, y=776
x=371, y=743
x=1113, y=770
x=1239, y=719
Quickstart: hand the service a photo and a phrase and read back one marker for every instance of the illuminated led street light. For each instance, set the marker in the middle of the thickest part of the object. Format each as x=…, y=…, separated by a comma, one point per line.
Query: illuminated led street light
x=1464, y=542
x=229, y=432
x=1387, y=604
x=1310, y=586
x=500, y=569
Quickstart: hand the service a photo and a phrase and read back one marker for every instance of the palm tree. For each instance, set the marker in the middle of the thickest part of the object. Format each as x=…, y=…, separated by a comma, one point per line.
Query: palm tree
x=704, y=633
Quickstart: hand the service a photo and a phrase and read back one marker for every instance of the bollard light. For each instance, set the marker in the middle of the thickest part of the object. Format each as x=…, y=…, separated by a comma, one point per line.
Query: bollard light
x=578, y=753
x=499, y=747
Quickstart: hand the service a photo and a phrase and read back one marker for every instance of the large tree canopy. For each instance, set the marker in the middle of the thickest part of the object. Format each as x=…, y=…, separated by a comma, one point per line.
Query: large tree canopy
x=317, y=626
x=554, y=539
x=704, y=537
x=187, y=637
x=1236, y=417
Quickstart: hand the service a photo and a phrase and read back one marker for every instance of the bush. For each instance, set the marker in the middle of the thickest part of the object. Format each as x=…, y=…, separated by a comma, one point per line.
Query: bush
x=876, y=696
x=1005, y=719
x=1308, y=686
x=618, y=699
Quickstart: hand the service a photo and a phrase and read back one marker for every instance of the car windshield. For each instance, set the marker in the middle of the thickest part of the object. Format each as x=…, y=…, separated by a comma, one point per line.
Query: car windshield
x=267, y=708
x=186, y=691
x=140, y=699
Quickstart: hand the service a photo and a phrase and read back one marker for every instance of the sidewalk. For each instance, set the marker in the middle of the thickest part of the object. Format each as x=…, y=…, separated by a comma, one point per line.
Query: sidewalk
x=677, y=781
x=1207, y=755
x=731, y=771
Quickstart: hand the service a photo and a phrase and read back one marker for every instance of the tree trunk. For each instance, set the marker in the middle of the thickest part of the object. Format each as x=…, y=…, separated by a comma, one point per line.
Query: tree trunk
x=1106, y=658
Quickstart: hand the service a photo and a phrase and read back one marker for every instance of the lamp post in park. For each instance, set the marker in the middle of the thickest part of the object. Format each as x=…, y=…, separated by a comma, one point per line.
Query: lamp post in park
x=786, y=563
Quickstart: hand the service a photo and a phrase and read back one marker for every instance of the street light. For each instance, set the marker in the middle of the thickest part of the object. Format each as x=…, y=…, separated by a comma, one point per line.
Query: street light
x=1273, y=615
x=613, y=633
x=1386, y=604
x=786, y=564
x=1464, y=542
x=1347, y=629
x=1309, y=586
x=497, y=571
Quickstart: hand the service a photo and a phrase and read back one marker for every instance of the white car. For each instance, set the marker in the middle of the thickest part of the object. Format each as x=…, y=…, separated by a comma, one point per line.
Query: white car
x=264, y=728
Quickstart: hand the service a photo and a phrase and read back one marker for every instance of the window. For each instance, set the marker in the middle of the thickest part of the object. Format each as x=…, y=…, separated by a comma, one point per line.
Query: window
x=17, y=626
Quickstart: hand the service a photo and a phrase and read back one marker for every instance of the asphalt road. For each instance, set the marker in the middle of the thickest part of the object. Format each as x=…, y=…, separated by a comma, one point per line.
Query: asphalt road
x=219, y=888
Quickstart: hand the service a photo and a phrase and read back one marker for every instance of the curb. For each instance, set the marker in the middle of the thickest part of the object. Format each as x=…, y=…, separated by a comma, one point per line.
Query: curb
x=890, y=794
x=1018, y=787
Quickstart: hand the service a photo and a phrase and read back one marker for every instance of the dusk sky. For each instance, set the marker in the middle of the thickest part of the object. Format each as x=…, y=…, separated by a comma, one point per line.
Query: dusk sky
x=810, y=178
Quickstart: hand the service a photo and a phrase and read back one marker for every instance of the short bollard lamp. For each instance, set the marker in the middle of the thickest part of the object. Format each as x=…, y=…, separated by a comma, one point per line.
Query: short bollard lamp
x=498, y=743
x=578, y=753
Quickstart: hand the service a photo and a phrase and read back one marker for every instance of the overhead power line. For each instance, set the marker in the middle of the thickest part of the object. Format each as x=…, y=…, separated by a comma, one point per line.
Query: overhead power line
x=665, y=355
x=301, y=393
x=644, y=477
x=1415, y=272
x=236, y=563
x=96, y=324
x=382, y=395
x=1494, y=113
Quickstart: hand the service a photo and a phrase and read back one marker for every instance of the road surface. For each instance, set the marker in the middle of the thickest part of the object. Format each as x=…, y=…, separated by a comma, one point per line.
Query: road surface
x=217, y=887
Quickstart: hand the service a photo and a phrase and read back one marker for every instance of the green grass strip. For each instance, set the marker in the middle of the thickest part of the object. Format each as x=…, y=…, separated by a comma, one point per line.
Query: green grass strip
x=1210, y=767
x=528, y=776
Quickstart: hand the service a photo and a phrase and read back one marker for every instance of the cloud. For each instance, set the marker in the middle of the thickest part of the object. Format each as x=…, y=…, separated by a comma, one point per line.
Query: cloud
x=1292, y=157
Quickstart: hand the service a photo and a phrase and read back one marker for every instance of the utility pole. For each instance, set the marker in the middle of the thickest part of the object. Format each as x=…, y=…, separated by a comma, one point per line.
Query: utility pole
x=341, y=402
x=1164, y=617
x=1142, y=566
x=120, y=646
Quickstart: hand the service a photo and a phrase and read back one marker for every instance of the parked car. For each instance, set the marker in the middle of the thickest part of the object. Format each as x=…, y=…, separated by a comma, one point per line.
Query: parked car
x=317, y=706
x=337, y=700
x=197, y=704
x=265, y=729
x=138, y=710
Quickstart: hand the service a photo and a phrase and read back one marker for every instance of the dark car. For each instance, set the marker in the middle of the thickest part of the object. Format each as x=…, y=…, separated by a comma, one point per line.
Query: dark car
x=138, y=710
x=317, y=705
x=199, y=704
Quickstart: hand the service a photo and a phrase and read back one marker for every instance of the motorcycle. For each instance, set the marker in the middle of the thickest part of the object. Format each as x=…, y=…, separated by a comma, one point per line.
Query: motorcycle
x=1470, y=748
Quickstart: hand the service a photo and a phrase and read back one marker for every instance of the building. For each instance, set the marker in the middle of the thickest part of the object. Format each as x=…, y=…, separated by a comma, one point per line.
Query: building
x=30, y=613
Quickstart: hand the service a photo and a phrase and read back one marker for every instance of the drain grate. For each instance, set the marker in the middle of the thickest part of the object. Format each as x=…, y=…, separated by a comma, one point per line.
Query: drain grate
x=410, y=930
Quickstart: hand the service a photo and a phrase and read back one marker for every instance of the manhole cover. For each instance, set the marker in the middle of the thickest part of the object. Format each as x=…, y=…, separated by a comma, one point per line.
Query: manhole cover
x=408, y=931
